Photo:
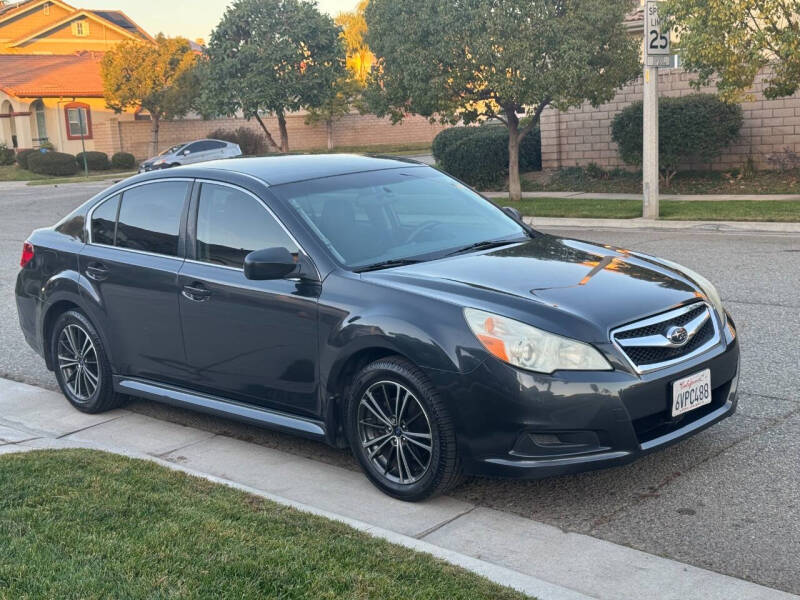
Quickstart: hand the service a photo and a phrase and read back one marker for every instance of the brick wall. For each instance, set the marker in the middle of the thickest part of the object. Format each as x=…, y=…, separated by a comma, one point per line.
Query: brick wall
x=352, y=130
x=583, y=135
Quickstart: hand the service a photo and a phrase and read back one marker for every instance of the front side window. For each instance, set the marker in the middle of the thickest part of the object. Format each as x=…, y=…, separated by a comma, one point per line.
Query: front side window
x=396, y=214
x=79, y=121
x=150, y=217
x=231, y=224
x=104, y=222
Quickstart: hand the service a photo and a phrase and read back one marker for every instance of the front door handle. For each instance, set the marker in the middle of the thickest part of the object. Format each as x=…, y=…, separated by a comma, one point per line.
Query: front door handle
x=97, y=271
x=196, y=292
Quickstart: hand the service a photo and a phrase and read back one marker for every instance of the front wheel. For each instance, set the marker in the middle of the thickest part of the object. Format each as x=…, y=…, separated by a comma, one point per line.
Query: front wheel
x=82, y=368
x=400, y=431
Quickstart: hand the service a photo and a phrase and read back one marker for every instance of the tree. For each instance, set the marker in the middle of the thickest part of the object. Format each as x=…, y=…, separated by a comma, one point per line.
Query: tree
x=471, y=60
x=345, y=92
x=354, y=29
x=269, y=57
x=160, y=78
x=735, y=39
x=693, y=128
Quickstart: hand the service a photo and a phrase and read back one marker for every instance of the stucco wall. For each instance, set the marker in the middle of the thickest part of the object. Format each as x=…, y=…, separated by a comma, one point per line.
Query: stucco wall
x=581, y=136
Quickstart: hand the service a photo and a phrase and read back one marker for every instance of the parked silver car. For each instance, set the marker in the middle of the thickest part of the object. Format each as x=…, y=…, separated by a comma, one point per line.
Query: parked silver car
x=191, y=152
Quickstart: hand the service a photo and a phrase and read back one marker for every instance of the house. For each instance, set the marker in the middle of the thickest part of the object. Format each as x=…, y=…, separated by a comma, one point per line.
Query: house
x=51, y=89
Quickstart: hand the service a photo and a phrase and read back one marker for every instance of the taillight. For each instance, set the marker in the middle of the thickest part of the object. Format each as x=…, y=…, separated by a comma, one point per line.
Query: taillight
x=27, y=254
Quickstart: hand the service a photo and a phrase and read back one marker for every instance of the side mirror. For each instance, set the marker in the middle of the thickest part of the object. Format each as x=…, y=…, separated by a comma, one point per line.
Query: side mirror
x=186, y=153
x=270, y=263
x=513, y=213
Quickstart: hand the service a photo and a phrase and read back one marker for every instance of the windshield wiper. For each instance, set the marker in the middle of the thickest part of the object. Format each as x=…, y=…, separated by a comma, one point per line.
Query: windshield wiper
x=482, y=246
x=395, y=262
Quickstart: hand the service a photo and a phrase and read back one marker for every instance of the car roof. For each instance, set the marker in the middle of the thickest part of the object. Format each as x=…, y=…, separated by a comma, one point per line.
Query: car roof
x=280, y=169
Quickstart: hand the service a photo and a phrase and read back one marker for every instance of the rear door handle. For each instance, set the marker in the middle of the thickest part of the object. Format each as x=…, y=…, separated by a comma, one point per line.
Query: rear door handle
x=196, y=291
x=97, y=271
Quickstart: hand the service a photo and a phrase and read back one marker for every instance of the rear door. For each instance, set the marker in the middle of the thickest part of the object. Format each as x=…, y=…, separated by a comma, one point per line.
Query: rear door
x=251, y=341
x=200, y=151
x=132, y=262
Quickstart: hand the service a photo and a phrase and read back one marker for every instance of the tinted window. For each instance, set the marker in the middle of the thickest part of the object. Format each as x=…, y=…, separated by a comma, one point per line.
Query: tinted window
x=416, y=213
x=104, y=219
x=215, y=145
x=150, y=216
x=231, y=224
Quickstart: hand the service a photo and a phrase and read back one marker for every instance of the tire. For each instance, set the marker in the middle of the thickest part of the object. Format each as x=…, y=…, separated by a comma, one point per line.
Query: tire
x=392, y=451
x=84, y=375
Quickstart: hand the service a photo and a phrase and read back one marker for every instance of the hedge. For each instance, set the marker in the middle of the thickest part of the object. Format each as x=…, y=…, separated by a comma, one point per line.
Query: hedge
x=53, y=163
x=97, y=161
x=251, y=142
x=479, y=155
x=123, y=160
x=6, y=155
x=22, y=157
x=691, y=129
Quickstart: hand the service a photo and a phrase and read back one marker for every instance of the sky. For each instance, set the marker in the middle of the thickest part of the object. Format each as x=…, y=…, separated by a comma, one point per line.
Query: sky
x=189, y=18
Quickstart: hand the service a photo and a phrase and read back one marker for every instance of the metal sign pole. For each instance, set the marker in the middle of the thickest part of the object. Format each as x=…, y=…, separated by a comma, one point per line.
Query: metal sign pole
x=657, y=50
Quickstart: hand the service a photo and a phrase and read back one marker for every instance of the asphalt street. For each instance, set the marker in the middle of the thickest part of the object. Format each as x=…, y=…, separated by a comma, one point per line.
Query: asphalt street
x=726, y=500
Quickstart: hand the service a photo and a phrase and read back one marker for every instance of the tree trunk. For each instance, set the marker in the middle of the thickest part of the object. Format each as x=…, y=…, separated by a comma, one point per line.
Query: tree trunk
x=514, y=186
x=154, y=134
x=284, y=133
x=273, y=147
x=329, y=127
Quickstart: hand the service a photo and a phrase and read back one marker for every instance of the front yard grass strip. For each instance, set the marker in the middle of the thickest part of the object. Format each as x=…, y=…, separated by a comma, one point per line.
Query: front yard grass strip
x=15, y=173
x=87, y=524
x=676, y=210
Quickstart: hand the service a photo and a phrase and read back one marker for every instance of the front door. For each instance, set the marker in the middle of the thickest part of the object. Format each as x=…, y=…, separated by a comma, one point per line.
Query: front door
x=132, y=264
x=250, y=341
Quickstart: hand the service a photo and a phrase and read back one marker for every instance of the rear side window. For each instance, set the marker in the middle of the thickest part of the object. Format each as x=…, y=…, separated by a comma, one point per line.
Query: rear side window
x=150, y=217
x=104, y=222
x=215, y=145
x=231, y=224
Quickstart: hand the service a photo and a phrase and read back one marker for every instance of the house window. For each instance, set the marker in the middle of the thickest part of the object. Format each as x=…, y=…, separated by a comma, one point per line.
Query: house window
x=79, y=121
x=46, y=9
x=80, y=28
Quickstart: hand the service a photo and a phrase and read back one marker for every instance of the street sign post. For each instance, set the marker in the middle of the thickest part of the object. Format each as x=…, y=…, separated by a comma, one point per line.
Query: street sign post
x=657, y=55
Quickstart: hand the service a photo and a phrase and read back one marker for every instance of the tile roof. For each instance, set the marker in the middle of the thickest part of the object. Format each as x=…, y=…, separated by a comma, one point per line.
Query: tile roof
x=48, y=76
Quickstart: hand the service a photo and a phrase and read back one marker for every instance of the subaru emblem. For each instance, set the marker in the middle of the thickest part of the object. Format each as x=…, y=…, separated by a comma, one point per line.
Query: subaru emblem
x=677, y=335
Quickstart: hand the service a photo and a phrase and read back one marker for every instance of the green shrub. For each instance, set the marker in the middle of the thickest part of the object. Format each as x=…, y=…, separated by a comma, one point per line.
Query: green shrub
x=480, y=157
x=123, y=160
x=251, y=142
x=53, y=163
x=6, y=155
x=97, y=161
x=481, y=160
x=22, y=157
x=446, y=138
x=692, y=128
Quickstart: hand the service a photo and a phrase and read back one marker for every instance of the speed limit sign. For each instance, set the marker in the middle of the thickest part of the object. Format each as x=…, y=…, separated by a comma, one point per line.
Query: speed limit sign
x=656, y=41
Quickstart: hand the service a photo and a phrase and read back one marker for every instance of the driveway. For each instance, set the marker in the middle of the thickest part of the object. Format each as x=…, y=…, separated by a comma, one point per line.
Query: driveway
x=726, y=500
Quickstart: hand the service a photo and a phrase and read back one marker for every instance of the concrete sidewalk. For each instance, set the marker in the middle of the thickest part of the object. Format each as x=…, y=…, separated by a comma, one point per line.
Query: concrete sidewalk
x=680, y=197
x=535, y=558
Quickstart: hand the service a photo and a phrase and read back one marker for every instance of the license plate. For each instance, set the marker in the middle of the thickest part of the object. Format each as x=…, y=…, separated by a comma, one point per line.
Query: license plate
x=691, y=392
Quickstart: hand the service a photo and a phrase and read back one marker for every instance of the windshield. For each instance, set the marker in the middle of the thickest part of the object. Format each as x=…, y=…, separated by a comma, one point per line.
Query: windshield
x=396, y=215
x=172, y=150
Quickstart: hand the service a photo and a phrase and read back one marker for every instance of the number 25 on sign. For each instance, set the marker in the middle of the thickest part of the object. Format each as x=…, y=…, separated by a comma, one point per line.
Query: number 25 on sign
x=656, y=41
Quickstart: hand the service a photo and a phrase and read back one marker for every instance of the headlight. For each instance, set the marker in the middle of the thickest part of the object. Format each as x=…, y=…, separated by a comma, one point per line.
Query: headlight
x=704, y=284
x=530, y=348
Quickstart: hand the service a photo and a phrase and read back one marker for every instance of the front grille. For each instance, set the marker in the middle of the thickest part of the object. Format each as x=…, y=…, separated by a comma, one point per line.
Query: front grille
x=647, y=346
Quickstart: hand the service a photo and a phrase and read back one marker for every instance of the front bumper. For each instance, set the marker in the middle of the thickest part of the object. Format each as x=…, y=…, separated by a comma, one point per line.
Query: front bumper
x=513, y=423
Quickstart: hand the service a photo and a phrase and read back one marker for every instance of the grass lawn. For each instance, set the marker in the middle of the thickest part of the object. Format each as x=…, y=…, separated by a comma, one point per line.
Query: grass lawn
x=734, y=210
x=86, y=524
x=14, y=173
x=577, y=179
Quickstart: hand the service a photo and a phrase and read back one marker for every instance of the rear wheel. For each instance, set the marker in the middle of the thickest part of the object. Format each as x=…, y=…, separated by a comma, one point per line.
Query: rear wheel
x=400, y=431
x=81, y=366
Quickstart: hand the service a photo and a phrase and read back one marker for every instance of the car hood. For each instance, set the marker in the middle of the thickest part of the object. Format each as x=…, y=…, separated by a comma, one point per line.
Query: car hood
x=567, y=286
